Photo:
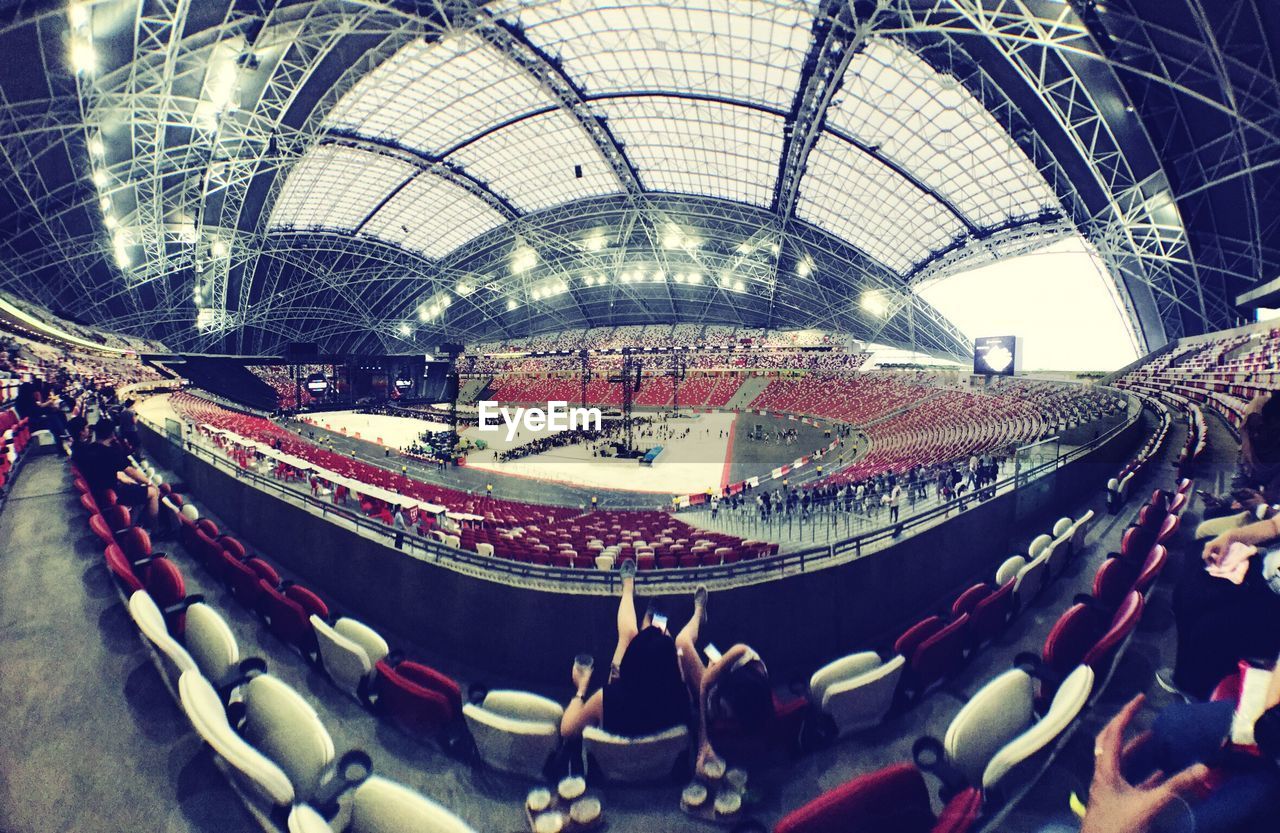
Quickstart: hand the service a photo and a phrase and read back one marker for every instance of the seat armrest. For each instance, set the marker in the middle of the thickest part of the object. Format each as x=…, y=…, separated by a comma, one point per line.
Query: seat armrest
x=181, y=606
x=348, y=772
x=930, y=756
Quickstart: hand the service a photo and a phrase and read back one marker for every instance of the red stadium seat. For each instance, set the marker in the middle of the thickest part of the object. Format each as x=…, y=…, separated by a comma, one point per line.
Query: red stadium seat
x=418, y=698
x=891, y=800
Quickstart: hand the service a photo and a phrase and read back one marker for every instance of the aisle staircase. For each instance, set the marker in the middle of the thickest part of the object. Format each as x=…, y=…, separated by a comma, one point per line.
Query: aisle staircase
x=750, y=388
x=473, y=389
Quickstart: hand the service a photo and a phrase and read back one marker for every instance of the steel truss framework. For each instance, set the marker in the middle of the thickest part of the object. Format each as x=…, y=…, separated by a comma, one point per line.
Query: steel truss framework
x=1110, y=106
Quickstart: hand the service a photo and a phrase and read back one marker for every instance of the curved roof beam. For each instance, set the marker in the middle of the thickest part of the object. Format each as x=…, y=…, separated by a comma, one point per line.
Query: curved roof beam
x=425, y=163
x=510, y=40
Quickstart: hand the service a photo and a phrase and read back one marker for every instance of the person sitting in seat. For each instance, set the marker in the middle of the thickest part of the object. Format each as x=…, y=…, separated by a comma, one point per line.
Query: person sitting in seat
x=81, y=434
x=655, y=679
x=1256, y=484
x=36, y=402
x=1226, y=607
x=106, y=466
x=646, y=691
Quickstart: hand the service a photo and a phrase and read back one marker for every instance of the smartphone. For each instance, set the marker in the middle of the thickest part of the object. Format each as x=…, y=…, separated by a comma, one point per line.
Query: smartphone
x=712, y=652
x=660, y=622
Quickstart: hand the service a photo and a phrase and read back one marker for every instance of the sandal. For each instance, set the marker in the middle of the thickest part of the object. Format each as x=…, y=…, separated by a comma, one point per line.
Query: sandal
x=628, y=569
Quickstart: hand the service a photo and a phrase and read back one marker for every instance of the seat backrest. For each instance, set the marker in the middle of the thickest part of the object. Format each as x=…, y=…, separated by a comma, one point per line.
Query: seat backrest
x=1068, y=702
x=212, y=644
x=410, y=699
x=968, y=600
x=1113, y=581
x=1080, y=531
x=1070, y=638
x=1038, y=544
x=891, y=799
x=860, y=701
x=1009, y=569
x=284, y=727
x=992, y=613
x=383, y=806
x=1061, y=528
x=150, y=620
x=649, y=758
x=917, y=633
x=1121, y=628
x=344, y=659
x=513, y=739
x=1000, y=711
x=1031, y=579
x=204, y=709
x=121, y=569
x=942, y=653
x=1151, y=569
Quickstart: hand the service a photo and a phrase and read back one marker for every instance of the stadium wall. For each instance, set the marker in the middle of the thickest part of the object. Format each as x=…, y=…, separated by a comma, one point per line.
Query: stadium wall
x=504, y=634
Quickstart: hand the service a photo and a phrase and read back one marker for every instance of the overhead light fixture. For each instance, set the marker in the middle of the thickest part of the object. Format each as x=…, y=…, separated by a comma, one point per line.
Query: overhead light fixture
x=511, y=304
x=595, y=241
x=78, y=15
x=100, y=178
x=84, y=58
x=219, y=247
x=658, y=276
x=105, y=204
x=96, y=148
x=739, y=286
x=110, y=221
x=874, y=302
x=405, y=329
x=523, y=259
x=695, y=277
x=804, y=267
x=464, y=289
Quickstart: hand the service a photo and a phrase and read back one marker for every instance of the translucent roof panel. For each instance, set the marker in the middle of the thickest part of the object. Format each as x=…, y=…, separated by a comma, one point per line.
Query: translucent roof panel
x=337, y=187
x=532, y=162
x=432, y=96
x=850, y=193
x=699, y=147
x=739, y=49
x=433, y=215
x=931, y=125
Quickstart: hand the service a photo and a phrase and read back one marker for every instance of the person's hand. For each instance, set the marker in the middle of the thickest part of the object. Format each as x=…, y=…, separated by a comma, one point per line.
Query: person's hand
x=1115, y=805
x=581, y=677
x=709, y=760
x=1249, y=499
x=1216, y=548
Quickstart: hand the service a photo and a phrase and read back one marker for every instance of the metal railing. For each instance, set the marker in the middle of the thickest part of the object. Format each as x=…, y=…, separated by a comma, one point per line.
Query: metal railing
x=605, y=582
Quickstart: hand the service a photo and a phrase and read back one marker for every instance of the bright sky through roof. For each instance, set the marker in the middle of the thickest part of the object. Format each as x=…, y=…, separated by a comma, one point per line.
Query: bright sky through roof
x=1059, y=299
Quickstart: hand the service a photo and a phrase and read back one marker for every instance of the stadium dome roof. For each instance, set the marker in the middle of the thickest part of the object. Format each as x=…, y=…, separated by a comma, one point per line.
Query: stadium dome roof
x=386, y=176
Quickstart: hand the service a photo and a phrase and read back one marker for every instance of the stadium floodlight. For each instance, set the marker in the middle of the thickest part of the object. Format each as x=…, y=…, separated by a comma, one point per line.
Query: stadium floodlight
x=96, y=148
x=405, y=329
x=523, y=259
x=78, y=15
x=84, y=58
x=100, y=178
x=874, y=302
